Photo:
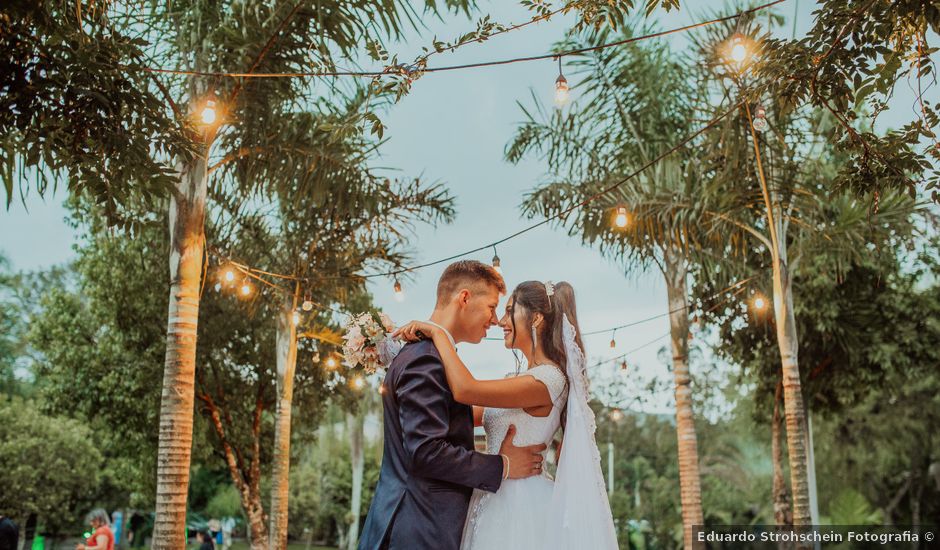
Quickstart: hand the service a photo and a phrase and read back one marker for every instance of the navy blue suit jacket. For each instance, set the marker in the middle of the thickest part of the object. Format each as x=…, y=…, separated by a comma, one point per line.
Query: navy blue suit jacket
x=429, y=466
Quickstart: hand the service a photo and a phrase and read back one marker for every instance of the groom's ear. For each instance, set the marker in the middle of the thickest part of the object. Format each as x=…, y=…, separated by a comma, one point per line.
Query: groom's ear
x=463, y=296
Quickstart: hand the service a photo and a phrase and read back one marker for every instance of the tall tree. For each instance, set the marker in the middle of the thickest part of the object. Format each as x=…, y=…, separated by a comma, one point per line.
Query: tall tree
x=639, y=100
x=327, y=216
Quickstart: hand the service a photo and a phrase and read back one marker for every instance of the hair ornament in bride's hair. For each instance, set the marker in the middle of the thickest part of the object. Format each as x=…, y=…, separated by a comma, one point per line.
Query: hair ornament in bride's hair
x=549, y=288
x=550, y=291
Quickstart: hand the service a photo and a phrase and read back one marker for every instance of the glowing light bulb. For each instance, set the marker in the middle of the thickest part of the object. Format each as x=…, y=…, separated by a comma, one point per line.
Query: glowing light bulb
x=331, y=363
x=561, y=90
x=208, y=114
x=622, y=219
x=399, y=293
x=760, y=119
x=738, y=51
x=296, y=318
x=358, y=382
x=616, y=415
x=218, y=287
x=760, y=303
x=307, y=305
x=229, y=275
x=246, y=288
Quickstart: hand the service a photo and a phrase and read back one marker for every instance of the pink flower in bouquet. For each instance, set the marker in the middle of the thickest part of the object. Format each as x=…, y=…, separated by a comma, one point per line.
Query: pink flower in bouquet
x=354, y=338
x=387, y=322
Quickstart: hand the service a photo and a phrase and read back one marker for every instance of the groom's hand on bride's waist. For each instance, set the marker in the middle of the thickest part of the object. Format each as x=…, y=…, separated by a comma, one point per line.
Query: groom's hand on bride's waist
x=520, y=462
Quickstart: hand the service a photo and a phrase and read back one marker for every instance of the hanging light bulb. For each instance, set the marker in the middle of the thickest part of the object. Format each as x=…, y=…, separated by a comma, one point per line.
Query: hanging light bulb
x=296, y=318
x=208, y=114
x=760, y=119
x=496, y=265
x=622, y=219
x=330, y=363
x=308, y=304
x=561, y=87
x=759, y=303
x=358, y=382
x=399, y=293
x=229, y=275
x=616, y=415
x=218, y=287
x=246, y=289
x=623, y=365
x=613, y=340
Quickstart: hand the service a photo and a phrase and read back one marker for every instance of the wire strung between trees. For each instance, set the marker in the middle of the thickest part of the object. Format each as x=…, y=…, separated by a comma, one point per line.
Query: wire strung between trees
x=658, y=338
x=413, y=70
x=572, y=208
x=661, y=315
x=253, y=272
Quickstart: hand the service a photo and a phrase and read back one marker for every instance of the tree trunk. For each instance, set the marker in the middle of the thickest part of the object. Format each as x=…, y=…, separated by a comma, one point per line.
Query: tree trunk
x=187, y=245
x=787, y=343
x=286, y=364
x=354, y=424
x=689, y=481
x=783, y=515
x=246, y=478
x=792, y=391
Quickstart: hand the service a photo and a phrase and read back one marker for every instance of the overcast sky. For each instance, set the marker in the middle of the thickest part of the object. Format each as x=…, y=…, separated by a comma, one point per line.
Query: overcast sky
x=453, y=127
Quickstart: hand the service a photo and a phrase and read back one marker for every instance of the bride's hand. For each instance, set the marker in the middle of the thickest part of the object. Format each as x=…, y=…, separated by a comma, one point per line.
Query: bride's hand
x=409, y=332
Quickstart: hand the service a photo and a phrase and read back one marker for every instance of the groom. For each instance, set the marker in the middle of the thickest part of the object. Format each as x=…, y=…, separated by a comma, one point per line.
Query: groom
x=429, y=467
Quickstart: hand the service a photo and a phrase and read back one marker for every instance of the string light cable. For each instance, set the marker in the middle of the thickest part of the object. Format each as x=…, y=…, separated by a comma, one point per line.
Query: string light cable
x=412, y=70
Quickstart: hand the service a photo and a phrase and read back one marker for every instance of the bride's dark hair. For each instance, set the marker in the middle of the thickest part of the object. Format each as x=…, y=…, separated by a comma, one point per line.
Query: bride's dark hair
x=534, y=298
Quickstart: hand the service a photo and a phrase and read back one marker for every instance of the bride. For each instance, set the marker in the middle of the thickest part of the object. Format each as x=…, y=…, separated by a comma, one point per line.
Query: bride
x=571, y=511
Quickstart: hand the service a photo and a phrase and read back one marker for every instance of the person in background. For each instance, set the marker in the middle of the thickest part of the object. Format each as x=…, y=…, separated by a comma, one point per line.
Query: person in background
x=215, y=529
x=228, y=527
x=102, y=538
x=117, y=525
x=135, y=530
x=9, y=534
x=205, y=538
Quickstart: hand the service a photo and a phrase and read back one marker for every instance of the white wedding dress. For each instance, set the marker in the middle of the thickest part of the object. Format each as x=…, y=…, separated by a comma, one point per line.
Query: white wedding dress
x=514, y=517
x=538, y=513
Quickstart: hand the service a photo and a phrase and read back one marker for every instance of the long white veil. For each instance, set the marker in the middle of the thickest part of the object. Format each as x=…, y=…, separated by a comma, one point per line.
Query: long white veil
x=580, y=512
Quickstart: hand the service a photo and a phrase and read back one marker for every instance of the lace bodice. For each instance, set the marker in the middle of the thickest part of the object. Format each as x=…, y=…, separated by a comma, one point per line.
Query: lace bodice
x=530, y=430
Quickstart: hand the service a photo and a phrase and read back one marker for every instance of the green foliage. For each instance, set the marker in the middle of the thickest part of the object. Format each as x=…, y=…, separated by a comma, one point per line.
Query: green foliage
x=637, y=101
x=850, y=508
x=224, y=503
x=321, y=483
x=51, y=465
x=853, y=56
x=11, y=329
x=76, y=107
x=100, y=339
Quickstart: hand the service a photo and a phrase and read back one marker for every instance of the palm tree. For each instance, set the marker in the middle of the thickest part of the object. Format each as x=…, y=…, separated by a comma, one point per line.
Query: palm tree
x=330, y=216
x=797, y=216
x=280, y=36
x=638, y=101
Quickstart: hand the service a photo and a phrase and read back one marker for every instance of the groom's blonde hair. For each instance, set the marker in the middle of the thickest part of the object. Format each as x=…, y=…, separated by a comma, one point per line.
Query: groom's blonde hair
x=469, y=274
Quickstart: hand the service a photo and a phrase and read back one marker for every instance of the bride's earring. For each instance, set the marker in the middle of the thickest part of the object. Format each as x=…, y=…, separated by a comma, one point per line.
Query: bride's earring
x=535, y=339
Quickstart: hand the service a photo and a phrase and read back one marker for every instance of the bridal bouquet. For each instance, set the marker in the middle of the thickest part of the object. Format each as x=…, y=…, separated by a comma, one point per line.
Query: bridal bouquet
x=368, y=344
